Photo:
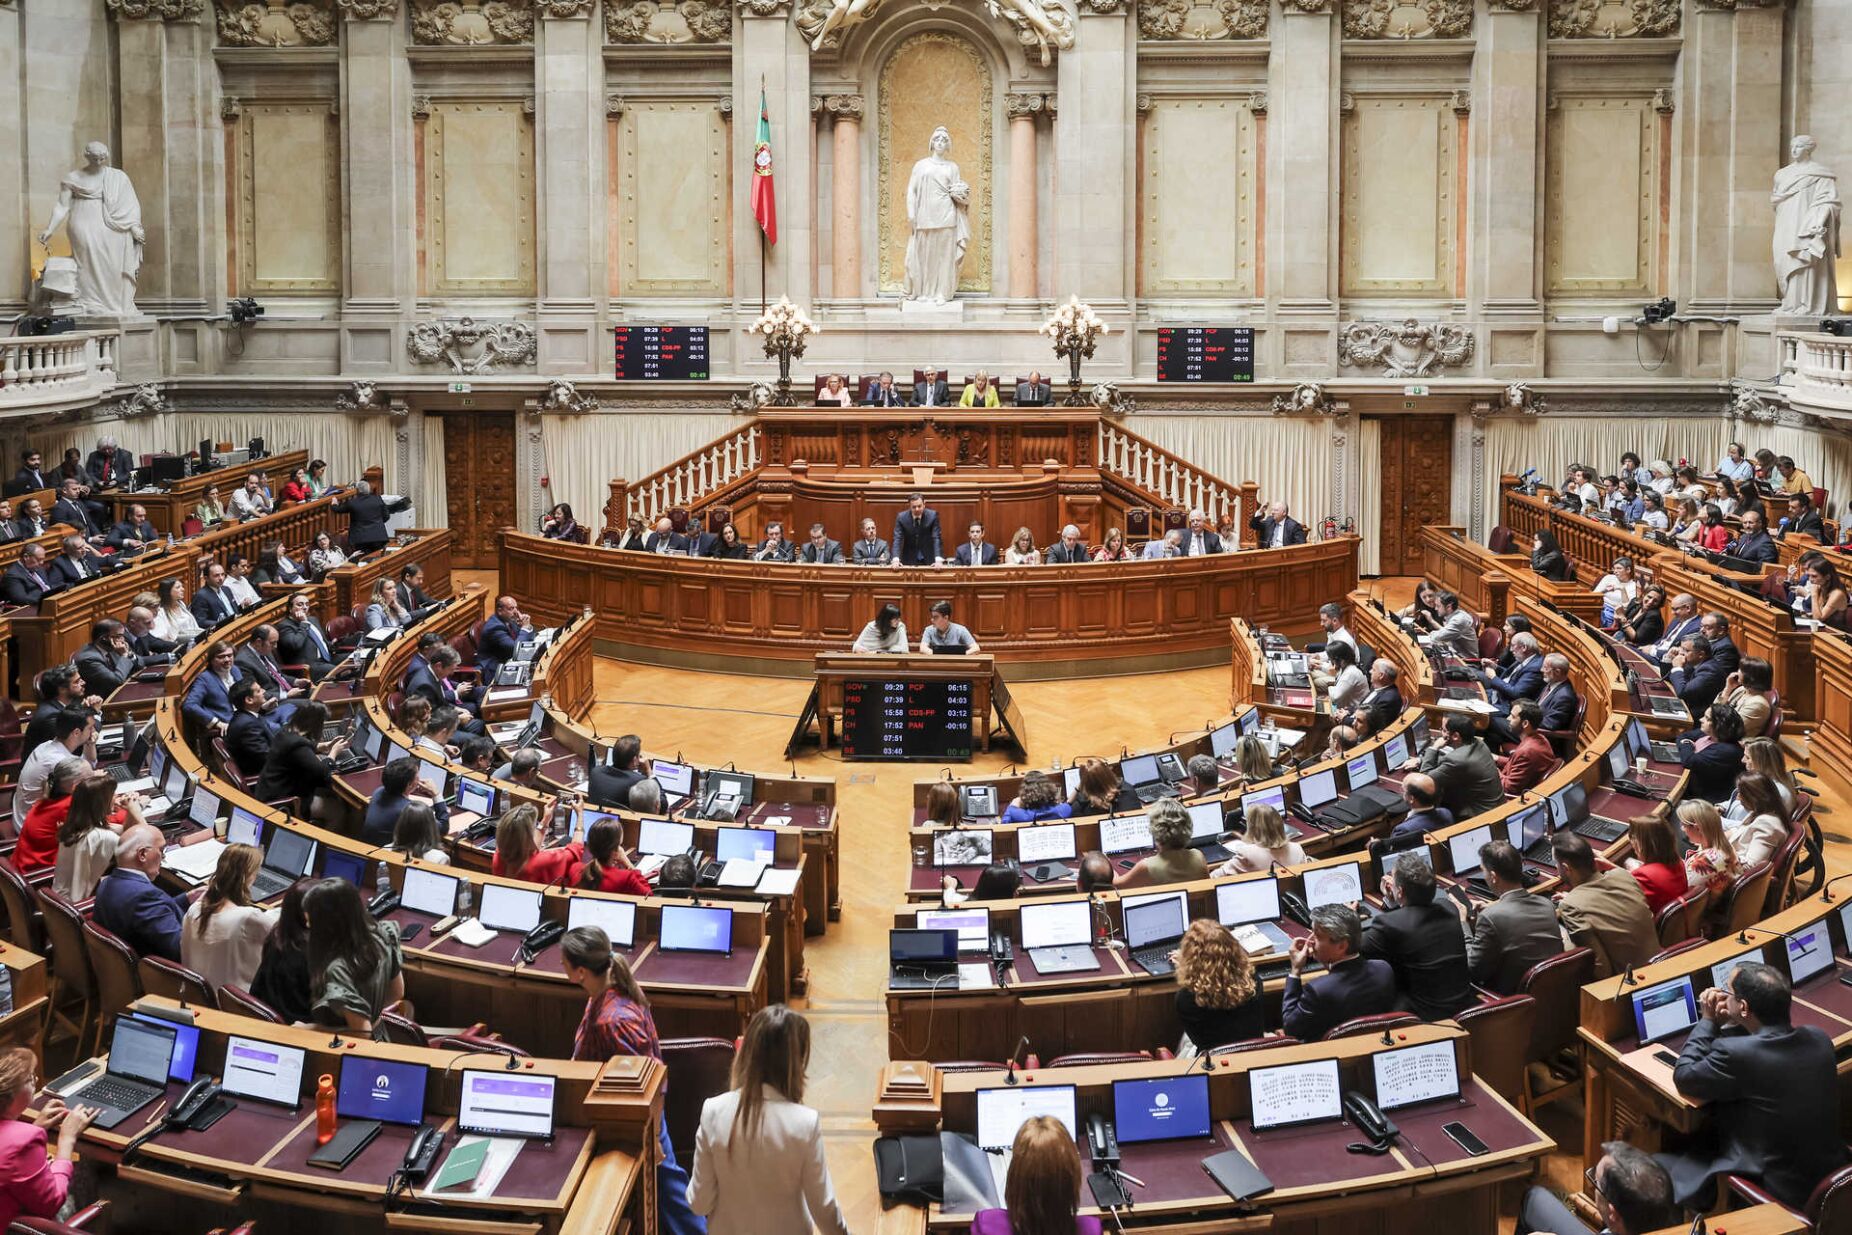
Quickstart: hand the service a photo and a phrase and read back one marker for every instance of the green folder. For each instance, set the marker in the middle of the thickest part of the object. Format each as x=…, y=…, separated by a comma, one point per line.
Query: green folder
x=462, y=1166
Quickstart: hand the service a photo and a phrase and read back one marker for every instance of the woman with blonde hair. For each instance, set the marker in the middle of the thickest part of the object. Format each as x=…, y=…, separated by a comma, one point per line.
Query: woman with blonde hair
x=1764, y=755
x=223, y=936
x=1252, y=762
x=383, y=607
x=1175, y=861
x=1022, y=550
x=1264, y=843
x=1710, y=861
x=759, y=1167
x=1218, y=1000
x=1042, y=1190
x=1113, y=548
x=34, y=1184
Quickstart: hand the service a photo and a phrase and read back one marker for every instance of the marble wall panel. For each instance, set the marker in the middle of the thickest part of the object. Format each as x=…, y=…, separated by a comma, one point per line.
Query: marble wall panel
x=1601, y=187
x=287, y=241
x=672, y=223
x=1198, y=198
x=1400, y=207
x=479, y=209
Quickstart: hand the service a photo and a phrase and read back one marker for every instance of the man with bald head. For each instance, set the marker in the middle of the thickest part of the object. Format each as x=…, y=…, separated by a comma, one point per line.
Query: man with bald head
x=1425, y=813
x=129, y=904
x=1277, y=528
x=500, y=636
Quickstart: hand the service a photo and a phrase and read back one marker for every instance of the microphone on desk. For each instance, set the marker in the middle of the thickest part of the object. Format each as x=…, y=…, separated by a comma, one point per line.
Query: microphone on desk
x=1627, y=979
x=1826, y=893
x=1022, y=1044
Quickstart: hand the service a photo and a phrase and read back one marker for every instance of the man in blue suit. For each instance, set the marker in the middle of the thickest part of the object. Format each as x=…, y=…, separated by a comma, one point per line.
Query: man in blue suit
x=212, y=604
x=1277, y=528
x=1525, y=681
x=977, y=551
x=1351, y=986
x=208, y=701
x=500, y=634
x=1557, y=700
x=1684, y=622
x=916, y=535
x=1695, y=675
x=130, y=906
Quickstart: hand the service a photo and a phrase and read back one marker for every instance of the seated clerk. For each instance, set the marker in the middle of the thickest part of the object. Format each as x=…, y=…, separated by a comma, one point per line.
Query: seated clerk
x=610, y=785
x=1771, y=1090
x=1463, y=769
x=1715, y=759
x=398, y=784
x=247, y=737
x=1603, y=909
x=29, y=580
x=1100, y=792
x=1516, y=931
x=665, y=539
x=820, y=550
x=1421, y=940
x=128, y=902
x=208, y=701
x=1352, y=985
x=1175, y=861
x=1633, y=1196
x=1038, y=800
x=942, y=631
x=870, y=550
x=1695, y=674
x=1656, y=865
x=1071, y=548
x=1531, y=759
x=976, y=551
x=604, y=866
x=518, y=854
x=981, y=392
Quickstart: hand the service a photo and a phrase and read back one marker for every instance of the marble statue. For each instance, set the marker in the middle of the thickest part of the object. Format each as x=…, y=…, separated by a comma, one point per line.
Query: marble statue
x=102, y=216
x=938, y=211
x=1806, y=200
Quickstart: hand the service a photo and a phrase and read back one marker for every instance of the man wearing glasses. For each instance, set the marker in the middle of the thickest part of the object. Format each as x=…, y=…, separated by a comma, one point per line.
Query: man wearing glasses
x=1632, y=1193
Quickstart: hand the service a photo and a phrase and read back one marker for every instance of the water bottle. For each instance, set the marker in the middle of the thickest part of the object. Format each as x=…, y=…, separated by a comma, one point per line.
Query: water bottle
x=324, y=1110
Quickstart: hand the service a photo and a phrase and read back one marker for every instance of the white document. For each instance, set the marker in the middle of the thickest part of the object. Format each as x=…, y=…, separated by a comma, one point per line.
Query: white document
x=196, y=862
x=776, y=821
x=472, y=933
x=778, y=882
x=650, y=863
x=741, y=872
x=975, y=976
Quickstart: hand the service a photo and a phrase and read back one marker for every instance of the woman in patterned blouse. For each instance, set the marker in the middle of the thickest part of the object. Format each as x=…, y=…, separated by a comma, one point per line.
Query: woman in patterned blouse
x=617, y=1021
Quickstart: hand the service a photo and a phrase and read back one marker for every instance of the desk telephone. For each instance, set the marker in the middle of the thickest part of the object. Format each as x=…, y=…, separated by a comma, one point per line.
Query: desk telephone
x=1103, y=1182
x=201, y=1106
x=538, y=938
x=1293, y=906
x=385, y=902
x=1002, y=951
x=1362, y=1110
x=421, y=1154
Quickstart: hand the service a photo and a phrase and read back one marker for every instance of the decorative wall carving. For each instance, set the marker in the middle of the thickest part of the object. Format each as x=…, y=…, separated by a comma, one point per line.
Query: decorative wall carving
x=144, y=400
x=665, y=21
x=276, y=23
x=562, y=396
x=1306, y=397
x=1191, y=19
x=470, y=346
x=1111, y=400
x=1612, y=19
x=367, y=10
x=1516, y=399
x=754, y=397
x=1407, y=19
x=472, y=23
x=765, y=8
x=1306, y=6
x=563, y=8
x=1023, y=106
x=1405, y=349
x=361, y=396
x=1750, y=405
x=845, y=106
x=1102, y=8
x=157, y=10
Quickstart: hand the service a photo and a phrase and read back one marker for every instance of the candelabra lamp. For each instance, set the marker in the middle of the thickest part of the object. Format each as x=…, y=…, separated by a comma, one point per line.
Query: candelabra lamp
x=1075, y=330
x=786, y=328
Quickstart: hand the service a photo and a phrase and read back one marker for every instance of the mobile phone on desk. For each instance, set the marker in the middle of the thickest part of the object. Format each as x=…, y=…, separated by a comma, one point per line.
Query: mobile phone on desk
x=1463, y=1136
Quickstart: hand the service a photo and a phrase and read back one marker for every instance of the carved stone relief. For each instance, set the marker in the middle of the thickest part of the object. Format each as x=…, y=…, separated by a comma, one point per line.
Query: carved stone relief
x=470, y=346
x=1407, y=19
x=361, y=396
x=1195, y=20
x=1306, y=6
x=368, y=10
x=1406, y=349
x=157, y=10
x=472, y=23
x=276, y=23
x=1612, y=19
x=1305, y=397
x=562, y=396
x=144, y=400
x=664, y=21
x=564, y=8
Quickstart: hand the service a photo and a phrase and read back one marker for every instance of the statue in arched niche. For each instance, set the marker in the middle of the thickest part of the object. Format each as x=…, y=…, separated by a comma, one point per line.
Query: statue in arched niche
x=1043, y=25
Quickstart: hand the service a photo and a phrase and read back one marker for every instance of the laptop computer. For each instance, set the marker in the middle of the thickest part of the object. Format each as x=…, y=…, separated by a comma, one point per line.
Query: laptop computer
x=1416, y=1075
x=135, y=1073
x=290, y=857
x=1463, y=848
x=1207, y=824
x=1250, y=909
x=1058, y=936
x=1569, y=809
x=1529, y=833
x=1002, y=1111
x=263, y=1071
x=1049, y=846
x=696, y=928
x=972, y=922
x=1154, y=925
x=617, y=919
x=1147, y=776
x=498, y=1104
x=1664, y=1010
x=922, y=959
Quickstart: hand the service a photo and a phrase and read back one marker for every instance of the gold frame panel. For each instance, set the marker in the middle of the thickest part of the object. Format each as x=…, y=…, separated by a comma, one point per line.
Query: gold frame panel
x=1556, y=284
x=1248, y=179
x=1447, y=190
x=439, y=281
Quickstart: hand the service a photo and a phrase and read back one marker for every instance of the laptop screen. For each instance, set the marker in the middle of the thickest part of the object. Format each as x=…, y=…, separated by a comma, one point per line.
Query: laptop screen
x=1318, y=788
x=142, y=1049
x=697, y=928
x=1163, y=1108
x=1663, y=1010
x=1070, y=782
x=435, y=775
x=1125, y=834
x=1617, y=761
x=752, y=844
x=1248, y=721
x=1568, y=805
x=1222, y=739
x=157, y=765
x=661, y=838
x=1464, y=848
x=186, y=1048
x=1298, y=1093
x=1001, y=1112
x=1809, y=951
x=497, y=1104
x=1418, y=734
x=1154, y=919
x=922, y=947
x=382, y=1089
x=178, y=785
x=676, y=779
x=1058, y=925
x=1206, y=822
x=1527, y=827
x=374, y=744
x=243, y=828
x=1250, y=900
x=1274, y=797
x=583, y=817
x=509, y=909
x=1395, y=751
x=267, y=1071
x=617, y=919
x=971, y=923
x=1638, y=743
x=1139, y=769
x=291, y=853
x=475, y=797
x=1414, y=1074
x=1361, y=771
x=349, y=866
x=426, y=891
x=1052, y=842
x=1334, y=885
x=1721, y=971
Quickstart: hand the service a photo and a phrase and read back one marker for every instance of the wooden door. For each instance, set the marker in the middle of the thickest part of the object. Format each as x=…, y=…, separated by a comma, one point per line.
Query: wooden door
x=1417, y=486
x=479, y=476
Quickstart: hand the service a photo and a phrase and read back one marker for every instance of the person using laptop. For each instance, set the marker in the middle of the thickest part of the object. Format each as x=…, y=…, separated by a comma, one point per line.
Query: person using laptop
x=1042, y=1190
x=34, y=1184
x=1602, y=910
x=355, y=966
x=1351, y=986
x=617, y=1021
x=1517, y=930
x=604, y=866
x=1264, y=844
x=222, y=936
x=1421, y=941
x=518, y=854
x=942, y=632
x=129, y=904
x=1218, y=999
x=1175, y=861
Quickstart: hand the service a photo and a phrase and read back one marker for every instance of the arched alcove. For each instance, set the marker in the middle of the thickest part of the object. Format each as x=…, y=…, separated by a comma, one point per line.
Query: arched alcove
x=935, y=78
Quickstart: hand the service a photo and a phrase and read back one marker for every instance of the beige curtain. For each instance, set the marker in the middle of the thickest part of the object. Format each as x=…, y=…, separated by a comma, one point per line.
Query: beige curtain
x=431, y=501
x=1370, y=496
x=349, y=443
x=1550, y=444
x=1289, y=458
x=1826, y=458
x=584, y=453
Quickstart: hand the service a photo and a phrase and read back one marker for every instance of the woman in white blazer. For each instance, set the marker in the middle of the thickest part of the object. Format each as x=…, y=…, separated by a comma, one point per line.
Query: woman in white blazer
x=1757, y=837
x=222, y=938
x=759, y=1166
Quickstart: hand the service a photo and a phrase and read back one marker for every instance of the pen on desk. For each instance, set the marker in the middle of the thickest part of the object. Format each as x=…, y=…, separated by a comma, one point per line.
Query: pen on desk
x=1132, y=1178
x=158, y=1112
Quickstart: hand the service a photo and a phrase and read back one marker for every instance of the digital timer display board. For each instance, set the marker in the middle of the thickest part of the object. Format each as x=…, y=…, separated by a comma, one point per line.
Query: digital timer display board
x=894, y=718
x=1205, y=354
x=661, y=353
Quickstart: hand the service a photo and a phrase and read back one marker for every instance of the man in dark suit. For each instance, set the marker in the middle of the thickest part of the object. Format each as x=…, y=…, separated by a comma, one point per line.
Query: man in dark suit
x=1516, y=931
x=700, y=543
x=134, y=533
x=820, y=550
x=1557, y=701
x=1683, y=622
x=1633, y=1195
x=129, y=905
x=610, y=786
x=411, y=591
x=106, y=662
x=29, y=580
x=257, y=660
x=247, y=737
x=1771, y=1089
x=302, y=641
x=1755, y=544
x=1715, y=628
x=1069, y=550
x=366, y=513
x=1033, y=393
x=109, y=464
x=212, y=604
x=9, y=527
x=1425, y=813
x=1381, y=706
x=1803, y=519
x=399, y=785
x=916, y=539
x=1199, y=538
x=141, y=637
x=432, y=680
x=933, y=392
x=61, y=689
x=1277, y=528
x=883, y=393
x=78, y=563
x=1524, y=681
x=71, y=509
x=976, y=551
x=870, y=550
x=1352, y=986
x=496, y=644
x=32, y=521
x=775, y=547
x=31, y=473
x=1422, y=942
x=208, y=701
x=665, y=539
x=1696, y=677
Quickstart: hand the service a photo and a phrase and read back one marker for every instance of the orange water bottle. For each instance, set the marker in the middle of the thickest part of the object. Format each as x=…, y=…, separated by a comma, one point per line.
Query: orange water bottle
x=324, y=1110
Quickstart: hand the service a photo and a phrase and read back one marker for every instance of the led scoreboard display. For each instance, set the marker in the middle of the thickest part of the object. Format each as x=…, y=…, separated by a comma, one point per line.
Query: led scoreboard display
x=1205, y=354
x=661, y=353
x=901, y=719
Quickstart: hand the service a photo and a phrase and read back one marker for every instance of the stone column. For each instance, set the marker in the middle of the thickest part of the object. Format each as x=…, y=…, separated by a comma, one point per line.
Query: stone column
x=19, y=252
x=378, y=183
x=1731, y=107
x=768, y=49
x=846, y=195
x=570, y=147
x=1302, y=148
x=1507, y=95
x=171, y=150
x=1025, y=236
x=1094, y=154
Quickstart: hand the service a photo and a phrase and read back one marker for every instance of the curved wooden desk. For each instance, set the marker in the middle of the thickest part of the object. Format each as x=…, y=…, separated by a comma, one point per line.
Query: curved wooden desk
x=1047, y=621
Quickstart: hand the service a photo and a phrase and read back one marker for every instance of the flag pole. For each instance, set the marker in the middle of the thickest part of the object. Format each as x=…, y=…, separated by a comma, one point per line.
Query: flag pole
x=762, y=298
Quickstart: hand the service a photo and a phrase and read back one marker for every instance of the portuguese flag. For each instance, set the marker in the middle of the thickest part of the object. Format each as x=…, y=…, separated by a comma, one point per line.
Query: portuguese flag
x=764, y=198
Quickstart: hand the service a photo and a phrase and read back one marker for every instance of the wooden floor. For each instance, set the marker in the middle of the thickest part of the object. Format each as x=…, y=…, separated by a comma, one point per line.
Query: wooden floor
x=716, y=717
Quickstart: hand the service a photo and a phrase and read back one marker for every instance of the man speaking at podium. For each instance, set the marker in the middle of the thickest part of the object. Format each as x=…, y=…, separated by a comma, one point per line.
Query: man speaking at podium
x=916, y=535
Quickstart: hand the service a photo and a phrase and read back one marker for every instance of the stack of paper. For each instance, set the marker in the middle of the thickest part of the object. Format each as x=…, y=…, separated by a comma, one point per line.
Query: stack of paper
x=196, y=862
x=471, y=933
x=778, y=881
x=742, y=872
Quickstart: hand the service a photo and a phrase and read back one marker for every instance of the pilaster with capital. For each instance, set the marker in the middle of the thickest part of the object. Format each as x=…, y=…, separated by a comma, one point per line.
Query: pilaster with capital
x=1025, y=236
x=16, y=207
x=379, y=180
x=845, y=112
x=1505, y=131
x=569, y=148
x=1301, y=152
x=769, y=48
x=1095, y=150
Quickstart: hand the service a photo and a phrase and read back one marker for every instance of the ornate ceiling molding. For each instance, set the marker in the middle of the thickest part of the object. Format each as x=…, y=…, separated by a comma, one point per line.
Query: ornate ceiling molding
x=1613, y=19
x=668, y=22
x=156, y=10
x=278, y=23
x=1190, y=21
x=1306, y=6
x=1407, y=19
x=765, y=8
x=1405, y=349
x=472, y=23
x=470, y=346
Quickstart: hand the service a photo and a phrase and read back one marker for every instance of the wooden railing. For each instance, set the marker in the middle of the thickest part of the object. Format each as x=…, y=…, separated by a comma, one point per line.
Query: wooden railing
x=43, y=371
x=688, y=480
x=1178, y=482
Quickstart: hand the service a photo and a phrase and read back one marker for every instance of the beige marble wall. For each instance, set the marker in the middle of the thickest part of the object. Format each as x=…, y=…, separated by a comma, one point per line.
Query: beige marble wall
x=1401, y=197
x=672, y=208
x=1199, y=198
x=1602, y=195
x=287, y=243
x=479, y=197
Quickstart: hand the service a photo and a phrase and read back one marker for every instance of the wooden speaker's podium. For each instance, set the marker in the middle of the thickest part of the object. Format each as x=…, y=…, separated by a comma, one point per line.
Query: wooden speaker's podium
x=909, y=706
